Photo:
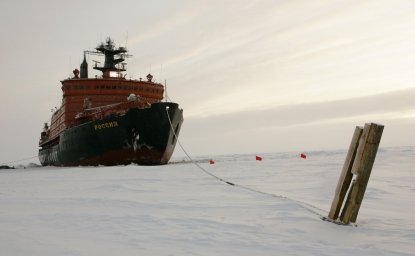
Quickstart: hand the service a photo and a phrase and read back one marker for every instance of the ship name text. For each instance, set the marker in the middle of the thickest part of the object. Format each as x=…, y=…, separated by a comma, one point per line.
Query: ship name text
x=106, y=125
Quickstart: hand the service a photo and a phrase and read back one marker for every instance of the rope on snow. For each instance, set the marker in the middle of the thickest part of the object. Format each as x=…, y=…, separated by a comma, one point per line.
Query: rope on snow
x=308, y=207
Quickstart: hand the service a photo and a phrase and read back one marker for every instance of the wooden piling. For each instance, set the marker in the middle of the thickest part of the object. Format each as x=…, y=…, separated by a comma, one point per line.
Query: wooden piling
x=359, y=162
x=345, y=176
x=362, y=168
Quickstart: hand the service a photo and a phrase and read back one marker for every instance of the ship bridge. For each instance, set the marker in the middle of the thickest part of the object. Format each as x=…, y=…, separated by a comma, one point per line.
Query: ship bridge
x=114, y=57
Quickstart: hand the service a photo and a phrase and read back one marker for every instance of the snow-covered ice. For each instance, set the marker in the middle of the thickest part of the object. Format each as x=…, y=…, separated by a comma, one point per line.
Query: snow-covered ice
x=177, y=209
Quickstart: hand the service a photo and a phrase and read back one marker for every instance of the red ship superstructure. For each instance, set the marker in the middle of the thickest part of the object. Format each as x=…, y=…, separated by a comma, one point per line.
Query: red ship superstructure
x=91, y=99
x=81, y=92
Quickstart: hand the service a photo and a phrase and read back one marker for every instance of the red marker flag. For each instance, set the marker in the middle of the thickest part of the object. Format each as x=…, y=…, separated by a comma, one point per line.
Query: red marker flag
x=211, y=161
x=258, y=158
x=302, y=155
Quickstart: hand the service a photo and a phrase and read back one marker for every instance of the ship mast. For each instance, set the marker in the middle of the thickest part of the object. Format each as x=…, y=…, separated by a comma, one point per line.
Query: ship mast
x=84, y=68
x=114, y=57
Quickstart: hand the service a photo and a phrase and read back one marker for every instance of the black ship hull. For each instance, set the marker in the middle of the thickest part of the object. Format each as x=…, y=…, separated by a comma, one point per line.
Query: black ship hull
x=141, y=136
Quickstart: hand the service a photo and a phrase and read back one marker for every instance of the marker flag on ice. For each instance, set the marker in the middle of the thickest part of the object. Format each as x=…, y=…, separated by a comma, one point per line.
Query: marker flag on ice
x=258, y=158
x=302, y=155
x=211, y=161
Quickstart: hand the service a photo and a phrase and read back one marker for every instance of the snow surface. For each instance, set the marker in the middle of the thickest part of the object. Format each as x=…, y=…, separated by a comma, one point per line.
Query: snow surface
x=177, y=209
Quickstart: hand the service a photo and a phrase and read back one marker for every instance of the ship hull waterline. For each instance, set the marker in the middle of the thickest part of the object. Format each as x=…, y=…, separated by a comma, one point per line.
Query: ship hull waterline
x=141, y=136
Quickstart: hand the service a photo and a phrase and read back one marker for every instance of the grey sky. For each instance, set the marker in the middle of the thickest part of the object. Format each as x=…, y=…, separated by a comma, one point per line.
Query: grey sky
x=251, y=75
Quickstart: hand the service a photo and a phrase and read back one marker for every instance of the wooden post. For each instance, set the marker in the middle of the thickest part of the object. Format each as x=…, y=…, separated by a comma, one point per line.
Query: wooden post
x=359, y=162
x=362, y=167
x=345, y=176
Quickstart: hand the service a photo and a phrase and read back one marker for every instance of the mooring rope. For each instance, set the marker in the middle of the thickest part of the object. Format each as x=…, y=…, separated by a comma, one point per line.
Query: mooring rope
x=20, y=160
x=308, y=207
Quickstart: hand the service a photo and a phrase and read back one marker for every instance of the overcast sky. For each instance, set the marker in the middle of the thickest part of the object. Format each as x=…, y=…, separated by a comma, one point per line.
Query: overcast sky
x=251, y=76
